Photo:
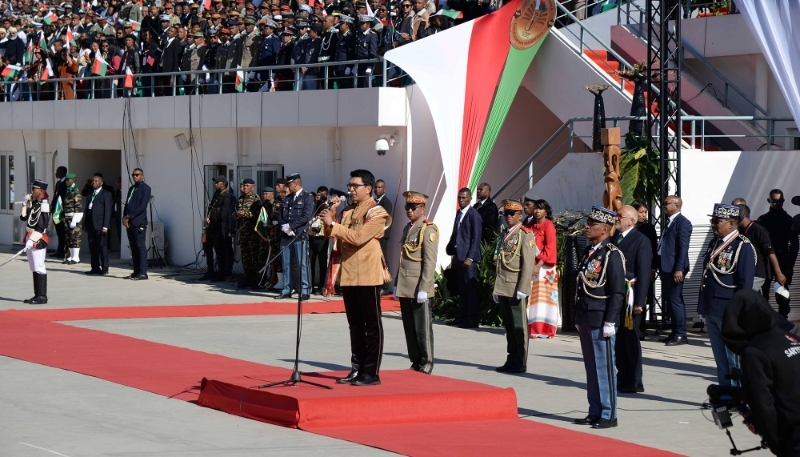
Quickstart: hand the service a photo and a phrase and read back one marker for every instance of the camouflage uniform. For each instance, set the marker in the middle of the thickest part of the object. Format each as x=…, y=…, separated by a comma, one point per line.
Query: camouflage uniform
x=275, y=236
x=248, y=238
x=73, y=203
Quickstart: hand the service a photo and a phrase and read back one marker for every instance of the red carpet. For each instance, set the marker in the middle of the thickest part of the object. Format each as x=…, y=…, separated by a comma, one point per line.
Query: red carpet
x=154, y=312
x=404, y=397
x=446, y=426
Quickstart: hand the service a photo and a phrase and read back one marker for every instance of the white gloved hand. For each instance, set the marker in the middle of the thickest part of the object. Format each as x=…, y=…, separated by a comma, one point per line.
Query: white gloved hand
x=609, y=329
x=422, y=296
x=368, y=71
x=250, y=75
x=495, y=298
x=73, y=224
x=285, y=228
x=394, y=293
x=274, y=222
x=347, y=71
x=28, y=245
x=291, y=233
x=183, y=78
x=521, y=296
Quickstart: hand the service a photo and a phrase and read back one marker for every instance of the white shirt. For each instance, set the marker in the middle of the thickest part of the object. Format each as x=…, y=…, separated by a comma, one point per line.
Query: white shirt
x=463, y=215
x=298, y=193
x=625, y=233
x=378, y=199
x=730, y=235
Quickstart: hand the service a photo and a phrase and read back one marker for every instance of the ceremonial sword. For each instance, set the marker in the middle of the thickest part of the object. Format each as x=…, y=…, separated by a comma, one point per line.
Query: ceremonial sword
x=12, y=258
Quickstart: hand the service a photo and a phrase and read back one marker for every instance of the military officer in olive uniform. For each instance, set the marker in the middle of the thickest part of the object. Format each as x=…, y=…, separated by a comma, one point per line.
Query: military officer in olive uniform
x=296, y=212
x=248, y=208
x=600, y=297
x=413, y=285
x=729, y=266
x=516, y=257
x=73, y=214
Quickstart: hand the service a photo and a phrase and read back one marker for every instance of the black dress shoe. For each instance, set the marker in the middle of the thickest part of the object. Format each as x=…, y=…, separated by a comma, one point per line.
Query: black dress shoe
x=139, y=278
x=131, y=276
x=639, y=389
x=605, y=423
x=667, y=339
x=366, y=380
x=454, y=323
x=103, y=273
x=516, y=369
x=678, y=341
x=349, y=378
x=72, y=262
x=627, y=390
x=315, y=291
x=503, y=368
x=588, y=420
x=94, y=272
x=415, y=367
x=305, y=297
x=65, y=262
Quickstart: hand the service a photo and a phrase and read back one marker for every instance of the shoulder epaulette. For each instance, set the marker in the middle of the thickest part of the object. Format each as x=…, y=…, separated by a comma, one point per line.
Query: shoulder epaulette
x=429, y=222
x=526, y=229
x=744, y=238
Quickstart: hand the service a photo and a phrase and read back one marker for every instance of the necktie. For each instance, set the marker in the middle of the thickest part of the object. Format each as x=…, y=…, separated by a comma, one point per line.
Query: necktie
x=458, y=218
x=478, y=205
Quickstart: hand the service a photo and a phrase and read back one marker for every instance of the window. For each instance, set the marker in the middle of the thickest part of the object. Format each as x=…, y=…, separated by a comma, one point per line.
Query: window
x=6, y=182
x=263, y=175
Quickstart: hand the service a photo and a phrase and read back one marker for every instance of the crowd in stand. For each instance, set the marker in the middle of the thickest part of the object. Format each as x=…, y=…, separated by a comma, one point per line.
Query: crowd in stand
x=153, y=42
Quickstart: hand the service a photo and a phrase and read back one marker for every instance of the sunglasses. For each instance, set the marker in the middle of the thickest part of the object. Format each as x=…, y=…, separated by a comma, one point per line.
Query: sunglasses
x=406, y=6
x=780, y=200
x=136, y=174
x=411, y=206
x=509, y=212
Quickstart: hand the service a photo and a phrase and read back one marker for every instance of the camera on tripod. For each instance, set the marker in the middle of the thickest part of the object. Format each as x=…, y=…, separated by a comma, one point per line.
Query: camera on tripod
x=725, y=400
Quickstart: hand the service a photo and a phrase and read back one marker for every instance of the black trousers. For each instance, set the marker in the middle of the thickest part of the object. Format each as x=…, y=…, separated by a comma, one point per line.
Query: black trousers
x=628, y=350
x=61, y=233
x=467, y=283
x=318, y=247
x=362, y=304
x=98, y=248
x=220, y=246
x=136, y=239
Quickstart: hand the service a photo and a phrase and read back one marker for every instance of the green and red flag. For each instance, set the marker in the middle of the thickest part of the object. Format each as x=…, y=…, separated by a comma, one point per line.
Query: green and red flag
x=480, y=66
x=452, y=14
x=28, y=57
x=100, y=66
x=128, y=83
x=10, y=71
x=42, y=42
x=239, y=79
x=50, y=18
x=135, y=26
x=58, y=214
x=46, y=73
x=71, y=38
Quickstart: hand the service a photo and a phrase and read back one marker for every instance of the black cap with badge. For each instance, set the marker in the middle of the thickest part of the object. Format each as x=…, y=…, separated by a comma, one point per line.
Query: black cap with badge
x=293, y=177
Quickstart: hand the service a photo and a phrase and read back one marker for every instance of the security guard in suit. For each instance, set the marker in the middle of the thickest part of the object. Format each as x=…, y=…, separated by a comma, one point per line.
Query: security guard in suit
x=729, y=266
x=600, y=297
x=366, y=48
x=516, y=256
x=296, y=213
x=413, y=285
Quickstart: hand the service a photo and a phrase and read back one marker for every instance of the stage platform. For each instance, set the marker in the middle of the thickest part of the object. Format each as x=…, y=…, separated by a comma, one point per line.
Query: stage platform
x=404, y=396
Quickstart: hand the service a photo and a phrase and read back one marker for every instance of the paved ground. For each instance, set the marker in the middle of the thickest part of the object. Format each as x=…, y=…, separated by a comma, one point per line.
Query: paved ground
x=75, y=415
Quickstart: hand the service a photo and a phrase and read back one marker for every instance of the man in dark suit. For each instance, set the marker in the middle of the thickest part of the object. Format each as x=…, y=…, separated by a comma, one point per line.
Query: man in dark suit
x=96, y=220
x=487, y=209
x=729, y=266
x=61, y=228
x=465, y=249
x=135, y=222
x=674, y=251
x=170, y=58
x=383, y=200
x=638, y=253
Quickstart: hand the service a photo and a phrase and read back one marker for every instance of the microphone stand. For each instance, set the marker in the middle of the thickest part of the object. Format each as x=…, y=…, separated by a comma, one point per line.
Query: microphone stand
x=296, y=377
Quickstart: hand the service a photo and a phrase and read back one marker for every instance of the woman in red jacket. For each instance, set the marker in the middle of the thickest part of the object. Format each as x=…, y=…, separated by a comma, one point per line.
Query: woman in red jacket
x=543, y=308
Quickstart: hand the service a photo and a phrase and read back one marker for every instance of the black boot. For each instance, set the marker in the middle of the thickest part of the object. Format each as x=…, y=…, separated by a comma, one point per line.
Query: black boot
x=41, y=290
x=35, y=289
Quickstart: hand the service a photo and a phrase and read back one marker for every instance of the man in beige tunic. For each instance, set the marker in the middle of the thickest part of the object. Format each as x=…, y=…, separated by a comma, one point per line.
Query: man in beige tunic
x=360, y=265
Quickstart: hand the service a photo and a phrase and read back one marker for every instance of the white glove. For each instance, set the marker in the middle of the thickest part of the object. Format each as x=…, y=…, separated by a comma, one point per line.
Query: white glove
x=183, y=78
x=73, y=224
x=274, y=222
x=285, y=228
x=291, y=233
x=250, y=75
x=609, y=329
x=495, y=298
x=347, y=71
x=368, y=71
x=422, y=296
x=394, y=293
x=28, y=245
x=521, y=296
